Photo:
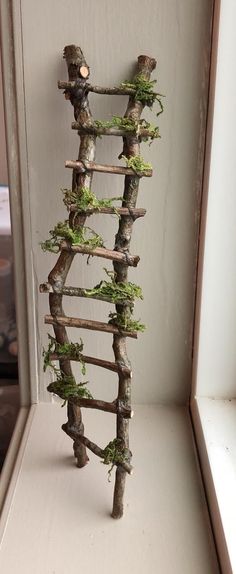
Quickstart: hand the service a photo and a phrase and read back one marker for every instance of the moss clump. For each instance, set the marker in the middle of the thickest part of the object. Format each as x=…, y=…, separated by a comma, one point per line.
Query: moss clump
x=79, y=236
x=116, y=292
x=153, y=130
x=84, y=198
x=137, y=163
x=70, y=350
x=118, y=122
x=130, y=125
x=144, y=91
x=124, y=322
x=115, y=453
x=66, y=388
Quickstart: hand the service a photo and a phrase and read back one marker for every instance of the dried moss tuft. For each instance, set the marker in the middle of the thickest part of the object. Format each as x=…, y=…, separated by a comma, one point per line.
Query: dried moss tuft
x=66, y=388
x=115, y=453
x=116, y=292
x=70, y=350
x=79, y=236
x=84, y=198
x=144, y=92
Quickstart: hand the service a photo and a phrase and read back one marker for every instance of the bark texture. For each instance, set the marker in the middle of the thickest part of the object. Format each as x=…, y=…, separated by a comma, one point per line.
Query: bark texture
x=83, y=166
x=126, y=258
x=75, y=63
x=88, y=324
x=134, y=213
x=131, y=147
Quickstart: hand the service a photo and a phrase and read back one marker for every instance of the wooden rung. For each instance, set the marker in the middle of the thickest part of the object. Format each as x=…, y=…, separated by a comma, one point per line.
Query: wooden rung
x=115, y=407
x=83, y=166
x=140, y=133
x=73, y=433
x=78, y=292
x=87, y=324
x=115, y=367
x=98, y=89
x=126, y=258
x=134, y=213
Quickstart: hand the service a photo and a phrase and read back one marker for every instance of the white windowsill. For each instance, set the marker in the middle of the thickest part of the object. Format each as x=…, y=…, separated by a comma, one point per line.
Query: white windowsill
x=57, y=508
x=216, y=421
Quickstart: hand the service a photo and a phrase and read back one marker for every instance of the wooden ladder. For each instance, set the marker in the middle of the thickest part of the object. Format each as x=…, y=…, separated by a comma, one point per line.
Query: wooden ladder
x=77, y=90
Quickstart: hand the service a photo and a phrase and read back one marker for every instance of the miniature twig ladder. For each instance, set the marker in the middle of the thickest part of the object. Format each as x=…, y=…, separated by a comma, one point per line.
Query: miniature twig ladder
x=77, y=90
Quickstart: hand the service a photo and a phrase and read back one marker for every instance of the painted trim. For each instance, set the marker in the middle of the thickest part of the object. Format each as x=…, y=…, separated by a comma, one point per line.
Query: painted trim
x=13, y=85
x=206, y=174
x=208, y=479
x=12, y=464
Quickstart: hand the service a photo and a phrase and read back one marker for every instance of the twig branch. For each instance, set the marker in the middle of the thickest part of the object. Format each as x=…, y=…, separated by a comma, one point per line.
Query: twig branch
x=126, y=258
x=131, y=148
x=114, y=407
x=142, y=133
x=115, y=367
x=73, y=433
x=98, y=89
x=134, y=213
x=77, y=292
x=88, y=324
x=78, y=71
x=87, y=166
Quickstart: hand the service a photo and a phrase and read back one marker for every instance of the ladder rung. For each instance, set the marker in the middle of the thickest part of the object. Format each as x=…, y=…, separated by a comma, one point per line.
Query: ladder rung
x=124, y=257
x=88, y=324
x=79, y=292
x=98, y=89
x=114, y=407
x=133, y=213
x=115, y=367
x=141, y=133
x=83, y=166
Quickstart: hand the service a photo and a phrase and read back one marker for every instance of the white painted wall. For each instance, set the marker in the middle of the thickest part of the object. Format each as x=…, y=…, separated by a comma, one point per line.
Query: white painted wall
x=216, y=367
x=112, y=35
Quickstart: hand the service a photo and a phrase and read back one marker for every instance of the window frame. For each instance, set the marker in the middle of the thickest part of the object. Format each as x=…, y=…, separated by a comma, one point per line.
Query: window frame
x=212, y=411
x=24, y=277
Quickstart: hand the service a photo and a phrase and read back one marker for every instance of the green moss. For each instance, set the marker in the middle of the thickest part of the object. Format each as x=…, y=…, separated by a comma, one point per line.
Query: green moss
x=115, y=453
x=124, y=322
x=127, y=124
x=144, y=91
x=84, y=198
x=70, y=350
x=66, y=388
x=116, y=292
x=79, y=236
x=130, y=125
x=153, y=130
x=137, y=163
